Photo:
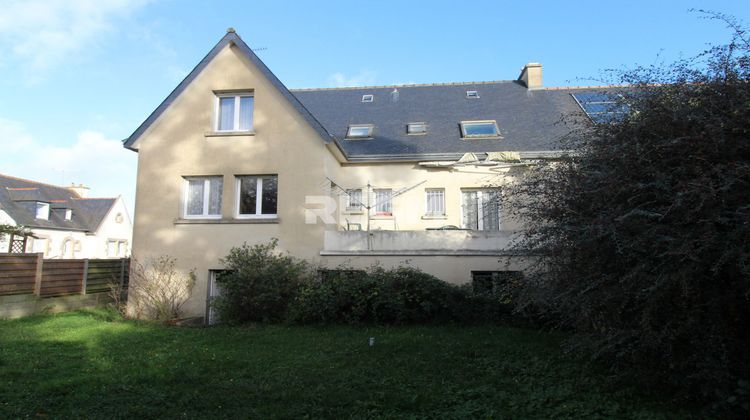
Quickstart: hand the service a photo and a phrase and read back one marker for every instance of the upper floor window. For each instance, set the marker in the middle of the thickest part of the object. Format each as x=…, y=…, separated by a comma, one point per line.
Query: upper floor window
x=354, y=200
x=359, y=131
x=435, y=202
x=203, y=197
x=234, y=111
x=42, y=210
x=68, y=214
x=481, y=209
x=416, y=128
x=257, y=196
x=383, y=199
x=471, y=129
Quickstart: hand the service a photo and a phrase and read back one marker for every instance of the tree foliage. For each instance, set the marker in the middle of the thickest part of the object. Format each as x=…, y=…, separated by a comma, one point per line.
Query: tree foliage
x=642, y=232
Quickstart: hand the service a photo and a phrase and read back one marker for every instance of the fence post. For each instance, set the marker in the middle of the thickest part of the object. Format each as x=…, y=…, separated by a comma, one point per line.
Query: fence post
x=85, y=275
x=38, y=278
x=122, y=272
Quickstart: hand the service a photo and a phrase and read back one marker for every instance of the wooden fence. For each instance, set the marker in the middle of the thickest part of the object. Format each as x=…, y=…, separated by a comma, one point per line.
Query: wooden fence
x=32, y=274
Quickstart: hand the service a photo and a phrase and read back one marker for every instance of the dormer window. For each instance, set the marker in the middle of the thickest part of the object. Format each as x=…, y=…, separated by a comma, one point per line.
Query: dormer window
x=416, y=128
x=234, y=111
x=479, y=129
x=472, y=94
x=42, y=210
x=359, y=131
x=367, y=98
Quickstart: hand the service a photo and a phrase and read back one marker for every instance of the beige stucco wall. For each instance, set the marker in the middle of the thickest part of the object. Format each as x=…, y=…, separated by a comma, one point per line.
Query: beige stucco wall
x=177, y=146
x=180, y=143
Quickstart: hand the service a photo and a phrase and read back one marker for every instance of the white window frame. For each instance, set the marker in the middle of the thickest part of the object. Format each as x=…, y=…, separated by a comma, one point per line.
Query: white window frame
x=475, y=136
x=236, y=123
x=68, y=214
x=369, y=128
x=411, y=132
x=206, y=197
x=472, y=94
x=258, y=197
x=368, y=98
x=480, y=220
x=44, y=207
x=427, y=193
x=352, y=204
x=388, y=202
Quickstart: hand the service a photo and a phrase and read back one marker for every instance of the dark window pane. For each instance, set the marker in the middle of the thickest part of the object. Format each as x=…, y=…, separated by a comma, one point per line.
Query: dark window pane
x=248, y=194
x=268, y=205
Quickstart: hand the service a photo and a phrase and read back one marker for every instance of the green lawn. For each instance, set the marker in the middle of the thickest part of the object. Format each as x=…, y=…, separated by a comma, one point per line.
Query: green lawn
x=89, y=364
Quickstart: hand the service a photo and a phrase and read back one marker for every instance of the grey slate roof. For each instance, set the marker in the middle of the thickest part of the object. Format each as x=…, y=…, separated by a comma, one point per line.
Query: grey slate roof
x=528, y=120
x=18, y=198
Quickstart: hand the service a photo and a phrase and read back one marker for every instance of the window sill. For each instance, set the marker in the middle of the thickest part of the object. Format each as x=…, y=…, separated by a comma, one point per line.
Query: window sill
x=228, y=133
x=353, y=212
x=434, y=217
x=382, y=217
x=274, y=220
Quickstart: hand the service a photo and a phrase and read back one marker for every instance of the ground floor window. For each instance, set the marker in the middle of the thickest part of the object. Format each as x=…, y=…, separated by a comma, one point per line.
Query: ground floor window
x=499, y=284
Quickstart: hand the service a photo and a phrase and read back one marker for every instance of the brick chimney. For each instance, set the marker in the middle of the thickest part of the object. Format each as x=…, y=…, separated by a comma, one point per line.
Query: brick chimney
x=531, y=76
x=80, y=189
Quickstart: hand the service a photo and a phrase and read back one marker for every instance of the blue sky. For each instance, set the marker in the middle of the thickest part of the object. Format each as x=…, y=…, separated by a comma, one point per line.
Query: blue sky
x=78, y=76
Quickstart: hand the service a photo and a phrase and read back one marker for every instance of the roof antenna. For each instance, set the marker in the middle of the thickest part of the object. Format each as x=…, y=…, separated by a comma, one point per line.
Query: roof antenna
x=394, y=95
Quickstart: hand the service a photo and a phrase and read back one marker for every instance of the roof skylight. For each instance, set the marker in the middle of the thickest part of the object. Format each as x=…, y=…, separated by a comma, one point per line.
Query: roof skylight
x=472, y=94
x=359, y=131
x=479, y=129
x=602, y=107
x=416, y=128
x=367, y=98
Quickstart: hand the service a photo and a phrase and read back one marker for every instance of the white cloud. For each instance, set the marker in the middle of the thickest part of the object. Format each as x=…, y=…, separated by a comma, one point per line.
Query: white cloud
x=363, y=78
x=92, y=159
x=42, y=33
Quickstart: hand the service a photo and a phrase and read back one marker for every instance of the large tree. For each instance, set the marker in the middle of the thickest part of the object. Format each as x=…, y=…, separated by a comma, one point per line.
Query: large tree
x=641, y=234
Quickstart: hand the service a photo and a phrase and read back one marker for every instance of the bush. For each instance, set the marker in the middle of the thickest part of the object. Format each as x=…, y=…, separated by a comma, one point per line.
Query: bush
x=397, y=296
x=259, y=284
x=642, y=238
x=157, y=291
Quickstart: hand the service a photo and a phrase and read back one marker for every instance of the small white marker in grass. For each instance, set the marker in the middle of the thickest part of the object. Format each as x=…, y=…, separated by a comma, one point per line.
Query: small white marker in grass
x=372, y=341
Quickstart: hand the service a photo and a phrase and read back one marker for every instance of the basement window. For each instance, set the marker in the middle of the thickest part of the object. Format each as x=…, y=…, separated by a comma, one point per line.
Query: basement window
x=359, y=131
x=472, y=94
x=416, y=128
x=479, y=129
x=367, y=98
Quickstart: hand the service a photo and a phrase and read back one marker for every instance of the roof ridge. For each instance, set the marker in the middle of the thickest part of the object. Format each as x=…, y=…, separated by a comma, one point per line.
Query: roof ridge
x=486, y=82
x=94, y=198
x=32, y=181
x=583, y=87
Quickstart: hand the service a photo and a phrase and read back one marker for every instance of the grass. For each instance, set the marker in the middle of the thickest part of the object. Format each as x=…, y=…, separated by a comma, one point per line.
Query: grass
x=93, y=365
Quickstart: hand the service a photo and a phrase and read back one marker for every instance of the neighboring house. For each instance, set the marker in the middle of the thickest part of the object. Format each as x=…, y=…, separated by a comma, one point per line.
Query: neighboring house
x=65, y=223
x=233, y=156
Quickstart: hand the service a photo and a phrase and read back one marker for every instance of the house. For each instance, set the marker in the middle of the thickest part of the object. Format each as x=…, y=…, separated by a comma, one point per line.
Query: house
x=406, y=174
x=65, y=223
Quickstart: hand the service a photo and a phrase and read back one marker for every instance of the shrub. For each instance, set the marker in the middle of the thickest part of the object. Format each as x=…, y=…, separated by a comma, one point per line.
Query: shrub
x=642, y=238
x=396, y=296
x=157, y=291
x=259, y=284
